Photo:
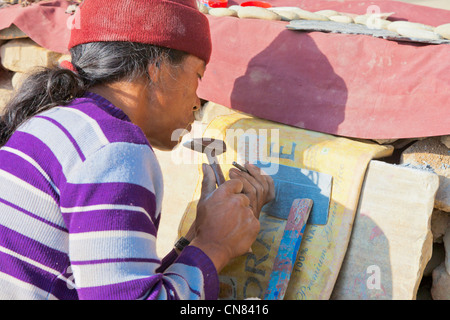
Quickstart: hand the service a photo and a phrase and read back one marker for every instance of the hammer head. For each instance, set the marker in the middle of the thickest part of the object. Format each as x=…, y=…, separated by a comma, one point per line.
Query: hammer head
x=213, y=147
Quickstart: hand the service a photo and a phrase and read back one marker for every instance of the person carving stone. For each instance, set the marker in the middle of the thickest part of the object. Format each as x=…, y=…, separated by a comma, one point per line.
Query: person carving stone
x=80, y=187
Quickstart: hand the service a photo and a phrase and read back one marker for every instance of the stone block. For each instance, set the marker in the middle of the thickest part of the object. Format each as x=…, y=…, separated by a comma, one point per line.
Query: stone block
x=6, y=89
x=391, y=240
x=440, y=289
x=440, y=223
x=432, y=154
x=12, y=32
x=437, y=257
x=18, y=79
x=447, y=250
x=397, y=143
x=446, y=141
x=22, y=55
x=385, y=141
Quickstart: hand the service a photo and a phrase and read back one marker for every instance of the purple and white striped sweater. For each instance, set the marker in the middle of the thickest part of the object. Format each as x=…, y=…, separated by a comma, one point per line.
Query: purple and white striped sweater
x=80, y=203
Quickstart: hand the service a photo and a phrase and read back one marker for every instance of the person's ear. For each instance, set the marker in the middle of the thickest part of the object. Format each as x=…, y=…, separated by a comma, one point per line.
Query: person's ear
x=154, y=72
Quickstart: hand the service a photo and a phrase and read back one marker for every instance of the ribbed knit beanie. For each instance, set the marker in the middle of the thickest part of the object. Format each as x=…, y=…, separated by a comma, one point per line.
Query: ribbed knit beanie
x=175, y=24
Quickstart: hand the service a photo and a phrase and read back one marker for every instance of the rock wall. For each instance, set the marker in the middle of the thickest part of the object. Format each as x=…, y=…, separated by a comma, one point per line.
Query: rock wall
x=433, y=154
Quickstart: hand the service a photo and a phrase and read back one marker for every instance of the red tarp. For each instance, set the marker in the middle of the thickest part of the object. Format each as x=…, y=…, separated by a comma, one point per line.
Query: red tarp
x=349, y=85
x=44, y=22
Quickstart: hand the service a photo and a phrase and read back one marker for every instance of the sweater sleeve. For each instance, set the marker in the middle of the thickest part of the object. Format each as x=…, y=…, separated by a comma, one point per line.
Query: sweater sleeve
x=167, y=260
x=111, y=204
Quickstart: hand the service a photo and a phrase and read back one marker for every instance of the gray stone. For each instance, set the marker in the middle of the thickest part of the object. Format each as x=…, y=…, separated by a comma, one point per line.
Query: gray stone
x=440, y=290
x=447, y=250
x=433, y=154
x=437, y=257
x=446, y=141
x=23, y=55
x=440, y=222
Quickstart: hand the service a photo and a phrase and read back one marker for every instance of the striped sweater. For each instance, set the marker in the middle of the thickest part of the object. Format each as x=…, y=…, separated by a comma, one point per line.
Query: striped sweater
x=80, y=203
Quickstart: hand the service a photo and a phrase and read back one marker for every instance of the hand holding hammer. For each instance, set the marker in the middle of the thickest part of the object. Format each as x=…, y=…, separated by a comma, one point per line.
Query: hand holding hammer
x=257, y=186
x=211, y=148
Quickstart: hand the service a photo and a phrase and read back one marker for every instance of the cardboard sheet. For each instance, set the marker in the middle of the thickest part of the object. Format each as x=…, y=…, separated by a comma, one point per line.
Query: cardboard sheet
x=290, y=182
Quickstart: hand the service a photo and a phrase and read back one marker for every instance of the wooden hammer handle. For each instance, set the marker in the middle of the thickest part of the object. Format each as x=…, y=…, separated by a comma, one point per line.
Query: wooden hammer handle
x=218, y=173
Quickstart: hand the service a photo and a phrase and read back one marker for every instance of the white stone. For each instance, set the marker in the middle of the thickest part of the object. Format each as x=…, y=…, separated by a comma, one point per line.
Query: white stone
x=440, y=289
x=437, y=257
x=391, y=240
x=384, y=141
x=23, y=55
x=431, y=153
x=446, y=141
x=440, y=222
x=6, y=89
x=18, y=79
x=447, y=250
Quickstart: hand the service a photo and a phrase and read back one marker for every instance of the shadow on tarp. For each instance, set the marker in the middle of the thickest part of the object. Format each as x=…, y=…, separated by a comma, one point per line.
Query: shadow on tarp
x=289, y=99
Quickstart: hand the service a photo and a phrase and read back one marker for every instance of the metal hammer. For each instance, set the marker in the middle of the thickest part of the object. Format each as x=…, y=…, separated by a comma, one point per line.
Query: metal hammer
x=212, y=148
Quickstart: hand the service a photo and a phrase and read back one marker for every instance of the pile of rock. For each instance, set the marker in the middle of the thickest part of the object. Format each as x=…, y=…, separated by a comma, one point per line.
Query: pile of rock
x=434, y=154
x=21, y=56
x=402, y=226
x=380, y=20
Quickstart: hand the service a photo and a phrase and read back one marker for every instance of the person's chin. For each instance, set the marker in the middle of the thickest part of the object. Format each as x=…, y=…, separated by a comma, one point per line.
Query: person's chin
x=167, y=146
x=176, y=139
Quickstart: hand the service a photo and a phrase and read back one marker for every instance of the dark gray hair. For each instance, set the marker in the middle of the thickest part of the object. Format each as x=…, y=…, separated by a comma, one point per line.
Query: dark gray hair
x=96, y=63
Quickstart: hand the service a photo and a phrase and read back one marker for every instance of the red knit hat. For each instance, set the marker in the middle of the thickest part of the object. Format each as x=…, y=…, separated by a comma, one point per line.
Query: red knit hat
x=175, y=24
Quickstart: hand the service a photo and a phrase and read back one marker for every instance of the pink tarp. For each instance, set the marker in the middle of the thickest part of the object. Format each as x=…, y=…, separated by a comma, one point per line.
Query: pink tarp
x=348, y=85
x=44, y=22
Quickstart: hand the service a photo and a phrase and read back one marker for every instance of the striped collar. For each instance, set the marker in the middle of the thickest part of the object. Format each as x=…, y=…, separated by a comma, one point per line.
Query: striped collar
x=106, y=105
